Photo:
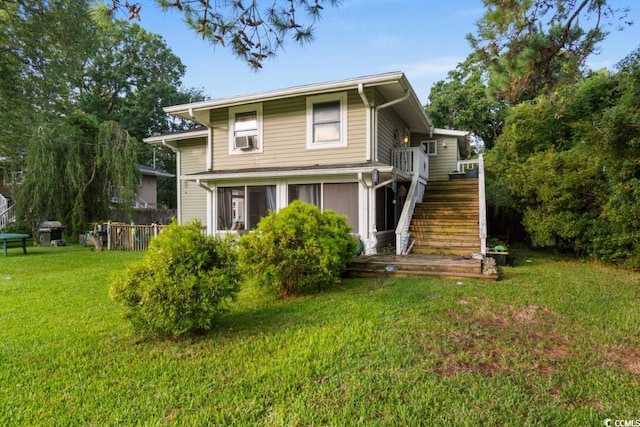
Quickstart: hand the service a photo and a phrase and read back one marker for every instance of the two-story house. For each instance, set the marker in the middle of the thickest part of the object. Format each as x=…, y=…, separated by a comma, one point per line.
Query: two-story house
x=362, y=147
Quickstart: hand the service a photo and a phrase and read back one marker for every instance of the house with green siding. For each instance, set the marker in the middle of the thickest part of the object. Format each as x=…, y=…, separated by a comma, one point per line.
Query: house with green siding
x=363, y=147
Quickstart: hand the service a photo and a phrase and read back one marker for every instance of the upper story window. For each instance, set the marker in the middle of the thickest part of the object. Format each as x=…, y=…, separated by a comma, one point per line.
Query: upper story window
x=245, y=129
x=327, y=121
x=430, y=147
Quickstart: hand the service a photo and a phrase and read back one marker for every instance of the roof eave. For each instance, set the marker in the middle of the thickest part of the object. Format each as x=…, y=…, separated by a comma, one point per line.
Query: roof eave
x=187, y=110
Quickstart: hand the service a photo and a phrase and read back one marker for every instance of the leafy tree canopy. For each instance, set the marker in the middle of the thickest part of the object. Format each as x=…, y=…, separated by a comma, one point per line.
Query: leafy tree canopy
x=462, y=102
x=253, y=30
x=530, y=47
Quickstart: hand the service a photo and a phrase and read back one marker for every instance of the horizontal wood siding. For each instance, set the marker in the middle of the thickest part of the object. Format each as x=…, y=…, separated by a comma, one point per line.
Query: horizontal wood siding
x=445, y=161
x=192, y=197
x=284, y=137
x=390, y=130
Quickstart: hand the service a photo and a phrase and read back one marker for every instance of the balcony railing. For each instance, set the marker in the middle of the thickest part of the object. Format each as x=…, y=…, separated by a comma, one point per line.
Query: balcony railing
x=411, y=160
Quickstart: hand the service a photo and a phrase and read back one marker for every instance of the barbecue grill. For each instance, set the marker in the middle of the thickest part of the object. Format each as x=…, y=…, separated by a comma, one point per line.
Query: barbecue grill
x=50, y=233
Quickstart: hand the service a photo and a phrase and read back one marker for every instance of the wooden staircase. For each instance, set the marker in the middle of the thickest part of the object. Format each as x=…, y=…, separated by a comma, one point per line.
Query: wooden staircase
x=445, y=232
x=446, y=221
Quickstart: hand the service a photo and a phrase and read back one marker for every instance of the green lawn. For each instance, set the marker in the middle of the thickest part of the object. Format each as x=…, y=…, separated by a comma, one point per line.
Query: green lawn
x=555, y=342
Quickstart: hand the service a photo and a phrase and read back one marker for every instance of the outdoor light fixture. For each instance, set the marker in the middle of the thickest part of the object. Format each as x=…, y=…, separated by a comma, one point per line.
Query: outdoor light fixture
x=375, y=176
x=444, y=144
x=405, y=137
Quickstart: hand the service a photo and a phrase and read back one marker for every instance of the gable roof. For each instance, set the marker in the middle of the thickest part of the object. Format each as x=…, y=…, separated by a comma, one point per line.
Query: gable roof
x=393, y=86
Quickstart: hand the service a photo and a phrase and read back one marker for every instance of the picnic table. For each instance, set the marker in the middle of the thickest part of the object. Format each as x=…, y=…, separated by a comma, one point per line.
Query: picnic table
x=13, y=237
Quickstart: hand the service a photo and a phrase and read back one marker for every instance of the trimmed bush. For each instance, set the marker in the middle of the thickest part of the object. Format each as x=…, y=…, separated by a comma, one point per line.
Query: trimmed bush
x=297, y=250
x=183, y=282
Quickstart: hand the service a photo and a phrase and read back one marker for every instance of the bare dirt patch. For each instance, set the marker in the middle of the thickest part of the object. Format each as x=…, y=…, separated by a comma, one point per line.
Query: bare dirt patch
x=489, y=340
x=623, y=358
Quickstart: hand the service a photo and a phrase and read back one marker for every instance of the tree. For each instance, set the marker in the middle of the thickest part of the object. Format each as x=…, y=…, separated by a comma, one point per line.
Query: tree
x=129, y=77
x=42, y=48
x=463, y=102
x=569, y=161
x=252, y=30
x=75, y=168
x=61, y=66
x=530, y=47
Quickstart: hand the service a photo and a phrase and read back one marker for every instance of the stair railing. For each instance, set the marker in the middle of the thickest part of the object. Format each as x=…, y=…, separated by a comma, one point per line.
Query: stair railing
x=6, y=216
x=482, y=201
x=415, y=194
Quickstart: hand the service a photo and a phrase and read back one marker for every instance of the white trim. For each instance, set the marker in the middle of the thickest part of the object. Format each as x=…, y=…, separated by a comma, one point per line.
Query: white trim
x=290, y=173
x=232, y=134
x=289, y=92
x=427, y=143
x=159, y=139
x=450, y=132
x=318, y=99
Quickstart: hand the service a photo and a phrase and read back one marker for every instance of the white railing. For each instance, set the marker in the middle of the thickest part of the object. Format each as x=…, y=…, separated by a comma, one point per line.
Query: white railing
x=478, y=165
x=467, y=165
x=141, y=203
x=411, y=160
x=415, y=194
x=4, y=203
x=7, y=216
x=482, y=201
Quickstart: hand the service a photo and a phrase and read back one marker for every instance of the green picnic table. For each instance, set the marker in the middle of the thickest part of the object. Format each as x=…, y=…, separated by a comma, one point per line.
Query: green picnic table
x=13, y=237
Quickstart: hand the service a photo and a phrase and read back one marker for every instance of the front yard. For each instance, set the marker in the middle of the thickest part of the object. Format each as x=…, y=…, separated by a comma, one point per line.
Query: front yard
x=556, y=341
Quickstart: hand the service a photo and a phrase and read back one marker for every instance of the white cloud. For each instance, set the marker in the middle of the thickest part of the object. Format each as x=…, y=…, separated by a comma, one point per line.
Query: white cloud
x=431, y=68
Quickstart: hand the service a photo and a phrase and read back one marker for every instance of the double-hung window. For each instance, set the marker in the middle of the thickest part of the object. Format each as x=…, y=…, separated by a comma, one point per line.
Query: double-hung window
x=327, y=121
x=245, y=129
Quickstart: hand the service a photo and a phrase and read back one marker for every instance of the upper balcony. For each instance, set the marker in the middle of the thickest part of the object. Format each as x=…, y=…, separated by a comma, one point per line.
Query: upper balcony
x=411, y=160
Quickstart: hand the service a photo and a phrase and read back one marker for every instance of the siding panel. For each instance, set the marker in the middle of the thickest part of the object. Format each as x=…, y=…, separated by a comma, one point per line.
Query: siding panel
x=284, y=137
x=192, y=198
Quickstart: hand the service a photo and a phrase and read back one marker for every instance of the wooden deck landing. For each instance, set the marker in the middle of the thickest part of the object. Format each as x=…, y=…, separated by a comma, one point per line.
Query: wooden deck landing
x=418, y=265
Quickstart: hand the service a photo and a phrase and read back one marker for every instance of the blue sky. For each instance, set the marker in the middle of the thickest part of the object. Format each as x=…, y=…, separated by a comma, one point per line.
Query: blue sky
x=423, y=38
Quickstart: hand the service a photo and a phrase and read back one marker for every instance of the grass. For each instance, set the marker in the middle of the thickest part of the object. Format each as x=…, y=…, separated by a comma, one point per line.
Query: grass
x=556, y=341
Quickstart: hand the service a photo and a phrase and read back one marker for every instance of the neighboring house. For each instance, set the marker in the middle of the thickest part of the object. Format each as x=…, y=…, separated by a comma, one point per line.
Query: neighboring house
x=148, y=194
x=362, y=147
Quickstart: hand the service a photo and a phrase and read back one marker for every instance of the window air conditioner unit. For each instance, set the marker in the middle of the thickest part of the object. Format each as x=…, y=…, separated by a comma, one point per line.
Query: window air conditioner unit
x=246, y=142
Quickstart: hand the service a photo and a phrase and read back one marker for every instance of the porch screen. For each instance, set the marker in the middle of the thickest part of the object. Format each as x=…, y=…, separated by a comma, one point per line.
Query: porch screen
x=343, y=198
x=308, y=193
x=241, y=208
x=231, y=208
x=262, y=199
x=385, y=209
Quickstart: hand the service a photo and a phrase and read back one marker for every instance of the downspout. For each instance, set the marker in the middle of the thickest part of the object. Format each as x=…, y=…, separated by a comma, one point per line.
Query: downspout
x=380, y=107
x=209, y=150
x=209, y=205
x=178, y=172
x=368, y=107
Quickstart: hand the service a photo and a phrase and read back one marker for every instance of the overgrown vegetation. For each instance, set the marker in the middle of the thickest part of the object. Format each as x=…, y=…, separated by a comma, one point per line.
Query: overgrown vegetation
x=562, y=141
x=184, y=281
x=555, y=342
x=297, y=250
x=570, y=162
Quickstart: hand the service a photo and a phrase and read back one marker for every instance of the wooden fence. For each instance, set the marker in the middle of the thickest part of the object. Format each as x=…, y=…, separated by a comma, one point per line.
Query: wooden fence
x=130, y=237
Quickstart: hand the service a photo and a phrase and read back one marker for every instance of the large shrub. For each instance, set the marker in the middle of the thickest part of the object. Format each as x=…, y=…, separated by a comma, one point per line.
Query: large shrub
x=184, y=280
x=297, y=250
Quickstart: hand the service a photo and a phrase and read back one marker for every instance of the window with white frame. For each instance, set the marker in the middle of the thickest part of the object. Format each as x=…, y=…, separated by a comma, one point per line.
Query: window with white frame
x=430, y=147
x=327, y=121
x=245, y=129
